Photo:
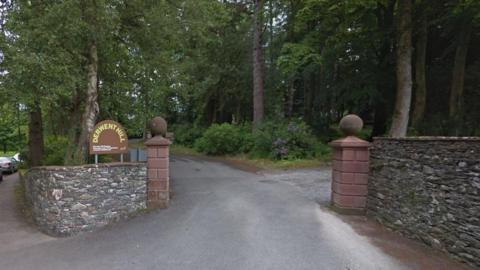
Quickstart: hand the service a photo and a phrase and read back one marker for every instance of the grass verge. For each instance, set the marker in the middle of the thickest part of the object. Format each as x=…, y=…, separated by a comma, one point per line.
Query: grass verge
x=282, y=164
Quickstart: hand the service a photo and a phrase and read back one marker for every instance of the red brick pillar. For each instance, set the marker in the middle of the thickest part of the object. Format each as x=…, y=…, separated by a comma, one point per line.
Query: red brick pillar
x=350, y=174
x=158, y=186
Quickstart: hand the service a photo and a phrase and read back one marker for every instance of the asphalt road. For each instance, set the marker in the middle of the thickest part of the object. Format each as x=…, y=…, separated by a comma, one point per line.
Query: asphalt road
x=219, y=218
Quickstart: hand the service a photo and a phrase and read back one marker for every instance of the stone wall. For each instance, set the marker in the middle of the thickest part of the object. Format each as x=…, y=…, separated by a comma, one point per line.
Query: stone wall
x=68, y=200
x=428, y=188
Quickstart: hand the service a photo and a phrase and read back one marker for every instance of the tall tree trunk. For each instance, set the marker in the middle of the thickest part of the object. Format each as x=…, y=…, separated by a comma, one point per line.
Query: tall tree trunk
x=258, y=90
x=404, y=70
x=271, y=27
x=35, y=135
x=309, y=96
x=19, y=132
x=73, y=128
x=420, y=69
x=146, y=104
x=91, y=106
x=291, y=98
x=458, y=77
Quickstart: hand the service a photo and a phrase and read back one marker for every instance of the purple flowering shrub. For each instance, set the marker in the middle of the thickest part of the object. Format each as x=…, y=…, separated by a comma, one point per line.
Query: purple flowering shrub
x=291, y=140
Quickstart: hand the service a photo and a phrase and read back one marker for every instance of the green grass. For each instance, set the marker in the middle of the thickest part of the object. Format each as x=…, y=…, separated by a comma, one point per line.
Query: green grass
x=262, y=163
x=177, y=149
x=280, y=164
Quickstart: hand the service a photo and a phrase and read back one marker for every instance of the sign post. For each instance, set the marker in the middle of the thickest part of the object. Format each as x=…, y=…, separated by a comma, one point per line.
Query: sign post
x=108, y=137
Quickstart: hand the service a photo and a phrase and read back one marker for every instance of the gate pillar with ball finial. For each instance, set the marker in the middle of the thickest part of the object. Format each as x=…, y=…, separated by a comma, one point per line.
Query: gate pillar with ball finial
x=350, y=168
x=158, y=173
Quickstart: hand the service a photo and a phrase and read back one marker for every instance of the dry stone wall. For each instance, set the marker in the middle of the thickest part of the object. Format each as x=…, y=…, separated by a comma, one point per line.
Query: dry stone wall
x=429, y=189
x=69, y=200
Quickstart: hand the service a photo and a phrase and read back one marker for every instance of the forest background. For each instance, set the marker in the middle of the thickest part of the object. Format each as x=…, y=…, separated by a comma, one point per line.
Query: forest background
x=269, y=78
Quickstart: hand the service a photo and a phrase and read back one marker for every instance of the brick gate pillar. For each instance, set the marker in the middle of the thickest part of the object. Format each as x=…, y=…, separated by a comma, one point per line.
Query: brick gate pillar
x=350, y=169
x=158, y=179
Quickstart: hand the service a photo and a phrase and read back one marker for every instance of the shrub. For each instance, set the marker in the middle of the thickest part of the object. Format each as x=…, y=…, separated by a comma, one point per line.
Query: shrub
x=275, y=140
x=222, y=139
x=323, y=151
x=287, y=140
x=187, y=134
x=55, y=150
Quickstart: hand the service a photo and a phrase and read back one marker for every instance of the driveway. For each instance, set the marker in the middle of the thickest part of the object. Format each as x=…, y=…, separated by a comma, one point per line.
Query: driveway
x=225, y=218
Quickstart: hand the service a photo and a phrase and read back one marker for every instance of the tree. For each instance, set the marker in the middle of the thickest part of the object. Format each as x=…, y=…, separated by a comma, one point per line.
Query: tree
x=420, y=64
x=458, y=76
x=258, y=88
x=35, y=136
x=89, y=117
x=6, y=136
x=403, y=70
x=385, y=58
x=66, y=64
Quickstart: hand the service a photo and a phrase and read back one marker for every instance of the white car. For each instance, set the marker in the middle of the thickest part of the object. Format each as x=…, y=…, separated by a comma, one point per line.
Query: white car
x=8, y=164
x=17, y=157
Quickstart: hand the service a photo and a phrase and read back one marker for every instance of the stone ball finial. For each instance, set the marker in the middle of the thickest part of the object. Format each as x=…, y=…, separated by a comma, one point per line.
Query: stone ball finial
x=158, y=126
x=351, y=124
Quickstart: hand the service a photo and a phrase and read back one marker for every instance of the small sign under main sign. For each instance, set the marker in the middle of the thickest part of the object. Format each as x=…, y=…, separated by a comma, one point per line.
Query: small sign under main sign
x=108, y=137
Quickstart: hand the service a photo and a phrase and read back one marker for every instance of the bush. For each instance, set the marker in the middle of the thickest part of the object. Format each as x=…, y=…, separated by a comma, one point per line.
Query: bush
x=275, y=140
x=55, y=150
x=288, y=140
x=224, y=139
x=187, y=134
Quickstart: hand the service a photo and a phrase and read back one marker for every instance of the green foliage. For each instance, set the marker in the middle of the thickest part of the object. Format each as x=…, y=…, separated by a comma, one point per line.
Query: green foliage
x=275, y=140
x=296, y=57
x=12, y=129
x=190, y=61
x=6, y=137
x=54, y=152
x=223, y=139
x=186, y=134
x=55, y=149
x=286, y=140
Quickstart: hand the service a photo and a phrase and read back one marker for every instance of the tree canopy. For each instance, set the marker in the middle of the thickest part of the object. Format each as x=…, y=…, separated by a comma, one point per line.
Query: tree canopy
x=67, y=64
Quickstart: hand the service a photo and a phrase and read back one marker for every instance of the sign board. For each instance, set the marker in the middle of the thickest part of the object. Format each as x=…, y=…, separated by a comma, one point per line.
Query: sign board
x=108, y=137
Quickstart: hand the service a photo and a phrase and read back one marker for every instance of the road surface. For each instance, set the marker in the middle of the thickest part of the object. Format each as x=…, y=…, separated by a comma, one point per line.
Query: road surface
x=220, y=218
